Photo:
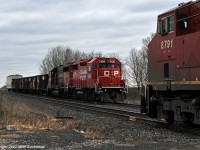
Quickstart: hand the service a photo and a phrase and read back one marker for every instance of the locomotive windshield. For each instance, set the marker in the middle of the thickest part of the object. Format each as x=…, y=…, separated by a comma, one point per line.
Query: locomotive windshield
x=106, y=65
x=166, y=25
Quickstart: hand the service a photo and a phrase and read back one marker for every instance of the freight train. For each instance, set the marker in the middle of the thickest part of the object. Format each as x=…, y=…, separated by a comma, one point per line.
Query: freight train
x=173, y=87
x=91, y=79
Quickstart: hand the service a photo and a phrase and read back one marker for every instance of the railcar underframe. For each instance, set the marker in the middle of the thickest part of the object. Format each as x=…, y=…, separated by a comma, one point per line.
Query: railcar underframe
x=173, y=103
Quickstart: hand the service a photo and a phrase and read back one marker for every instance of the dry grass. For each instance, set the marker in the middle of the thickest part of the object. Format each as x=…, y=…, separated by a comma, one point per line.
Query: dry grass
x=28, y=120
x=23, y=117
x=95, y=131
x=9, y=136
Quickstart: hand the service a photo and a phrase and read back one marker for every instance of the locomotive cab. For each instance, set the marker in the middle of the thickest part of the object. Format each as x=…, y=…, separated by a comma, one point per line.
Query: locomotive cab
x=109, y=73
x=173, y=87
x=109, y=83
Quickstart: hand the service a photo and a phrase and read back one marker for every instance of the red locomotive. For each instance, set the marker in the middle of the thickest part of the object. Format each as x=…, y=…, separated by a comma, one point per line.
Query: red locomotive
x=93, y=79
x=96, y=78
x=173, y=87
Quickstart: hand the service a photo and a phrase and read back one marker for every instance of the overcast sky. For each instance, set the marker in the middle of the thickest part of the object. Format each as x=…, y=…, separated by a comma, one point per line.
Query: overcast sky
x=28, y=28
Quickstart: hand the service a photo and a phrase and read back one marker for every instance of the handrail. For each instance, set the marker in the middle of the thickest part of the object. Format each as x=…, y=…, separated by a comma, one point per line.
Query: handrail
x=126, y=88
x=96, y=86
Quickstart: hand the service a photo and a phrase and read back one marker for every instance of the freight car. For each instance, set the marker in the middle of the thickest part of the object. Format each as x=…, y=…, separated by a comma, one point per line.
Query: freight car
x=91, y=79
x=9, y=80
x=173, y=87
x=34, y=84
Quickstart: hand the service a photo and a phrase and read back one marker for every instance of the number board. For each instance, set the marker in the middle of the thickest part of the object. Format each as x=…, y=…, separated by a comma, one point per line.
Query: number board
x=112, y=61
x=102, y=61
x=108, y=61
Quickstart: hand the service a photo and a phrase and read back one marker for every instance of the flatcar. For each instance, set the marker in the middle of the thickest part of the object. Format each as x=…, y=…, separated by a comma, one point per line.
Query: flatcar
x=173, y=87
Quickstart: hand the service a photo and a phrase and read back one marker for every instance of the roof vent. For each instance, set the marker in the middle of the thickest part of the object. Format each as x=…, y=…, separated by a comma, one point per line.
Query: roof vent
x=181, y=4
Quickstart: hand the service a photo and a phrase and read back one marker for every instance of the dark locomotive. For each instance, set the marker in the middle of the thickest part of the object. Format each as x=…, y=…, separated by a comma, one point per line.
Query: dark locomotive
x=91, y=79
x=173, y=87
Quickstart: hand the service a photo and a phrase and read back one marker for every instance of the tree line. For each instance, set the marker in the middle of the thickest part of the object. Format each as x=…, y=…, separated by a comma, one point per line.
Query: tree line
x=134, y=67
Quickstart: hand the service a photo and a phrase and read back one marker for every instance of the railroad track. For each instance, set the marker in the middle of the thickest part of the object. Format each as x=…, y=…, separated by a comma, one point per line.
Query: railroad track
x=86, y=107
x=122, y=114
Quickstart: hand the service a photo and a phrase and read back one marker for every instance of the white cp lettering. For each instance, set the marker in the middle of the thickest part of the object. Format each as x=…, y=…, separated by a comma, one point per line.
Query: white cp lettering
x=107, y=73
x=116, y=72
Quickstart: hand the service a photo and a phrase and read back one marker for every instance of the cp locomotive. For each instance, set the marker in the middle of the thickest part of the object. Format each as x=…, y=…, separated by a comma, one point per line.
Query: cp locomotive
x=173, y=87
x=92, y=79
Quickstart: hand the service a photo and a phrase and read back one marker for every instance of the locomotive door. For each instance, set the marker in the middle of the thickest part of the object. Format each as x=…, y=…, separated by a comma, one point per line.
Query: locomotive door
x=180, y=52
x=112, y=78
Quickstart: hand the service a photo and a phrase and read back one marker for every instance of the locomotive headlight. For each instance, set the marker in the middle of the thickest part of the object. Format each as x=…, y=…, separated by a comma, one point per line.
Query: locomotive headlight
x=105, y=90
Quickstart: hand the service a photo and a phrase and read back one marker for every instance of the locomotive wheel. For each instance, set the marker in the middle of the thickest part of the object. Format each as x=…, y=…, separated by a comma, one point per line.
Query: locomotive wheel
x=74, y=95
x=187, y=119
x=143, y=105
x=92, y=96
x=169, y=117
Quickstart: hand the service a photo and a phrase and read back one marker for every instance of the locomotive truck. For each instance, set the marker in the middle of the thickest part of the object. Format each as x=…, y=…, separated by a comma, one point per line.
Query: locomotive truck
x=173, y=87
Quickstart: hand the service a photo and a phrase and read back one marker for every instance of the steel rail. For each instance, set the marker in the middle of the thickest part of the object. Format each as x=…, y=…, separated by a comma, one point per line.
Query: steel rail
x=121, y=114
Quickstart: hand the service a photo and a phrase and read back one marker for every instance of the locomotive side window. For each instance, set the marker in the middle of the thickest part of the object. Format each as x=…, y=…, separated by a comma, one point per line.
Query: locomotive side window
x=83, y=64
x=167, y=25
x=75, y=67
x=171, y=23
x=94, y=66
x=65, y=69
x=89, y=68
x=182, y=21
x=166, y=70
x=118, y=66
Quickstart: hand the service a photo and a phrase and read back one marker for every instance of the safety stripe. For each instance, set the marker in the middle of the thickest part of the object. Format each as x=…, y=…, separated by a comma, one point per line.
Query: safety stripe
x=173, y=82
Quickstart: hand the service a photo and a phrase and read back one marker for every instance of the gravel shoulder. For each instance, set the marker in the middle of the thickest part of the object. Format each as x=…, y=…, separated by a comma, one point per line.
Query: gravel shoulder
x=113, y=133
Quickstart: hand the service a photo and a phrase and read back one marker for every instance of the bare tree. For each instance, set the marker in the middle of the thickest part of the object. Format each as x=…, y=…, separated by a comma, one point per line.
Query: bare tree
x=133, y=63
x=69, y=55
x=93, y=54
x=144, y=56
x=137, y=64
x=61, y=55
x=55, y=57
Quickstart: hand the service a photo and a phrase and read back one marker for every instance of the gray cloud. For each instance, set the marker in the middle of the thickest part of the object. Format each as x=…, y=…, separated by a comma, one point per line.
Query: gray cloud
x=28, y=28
